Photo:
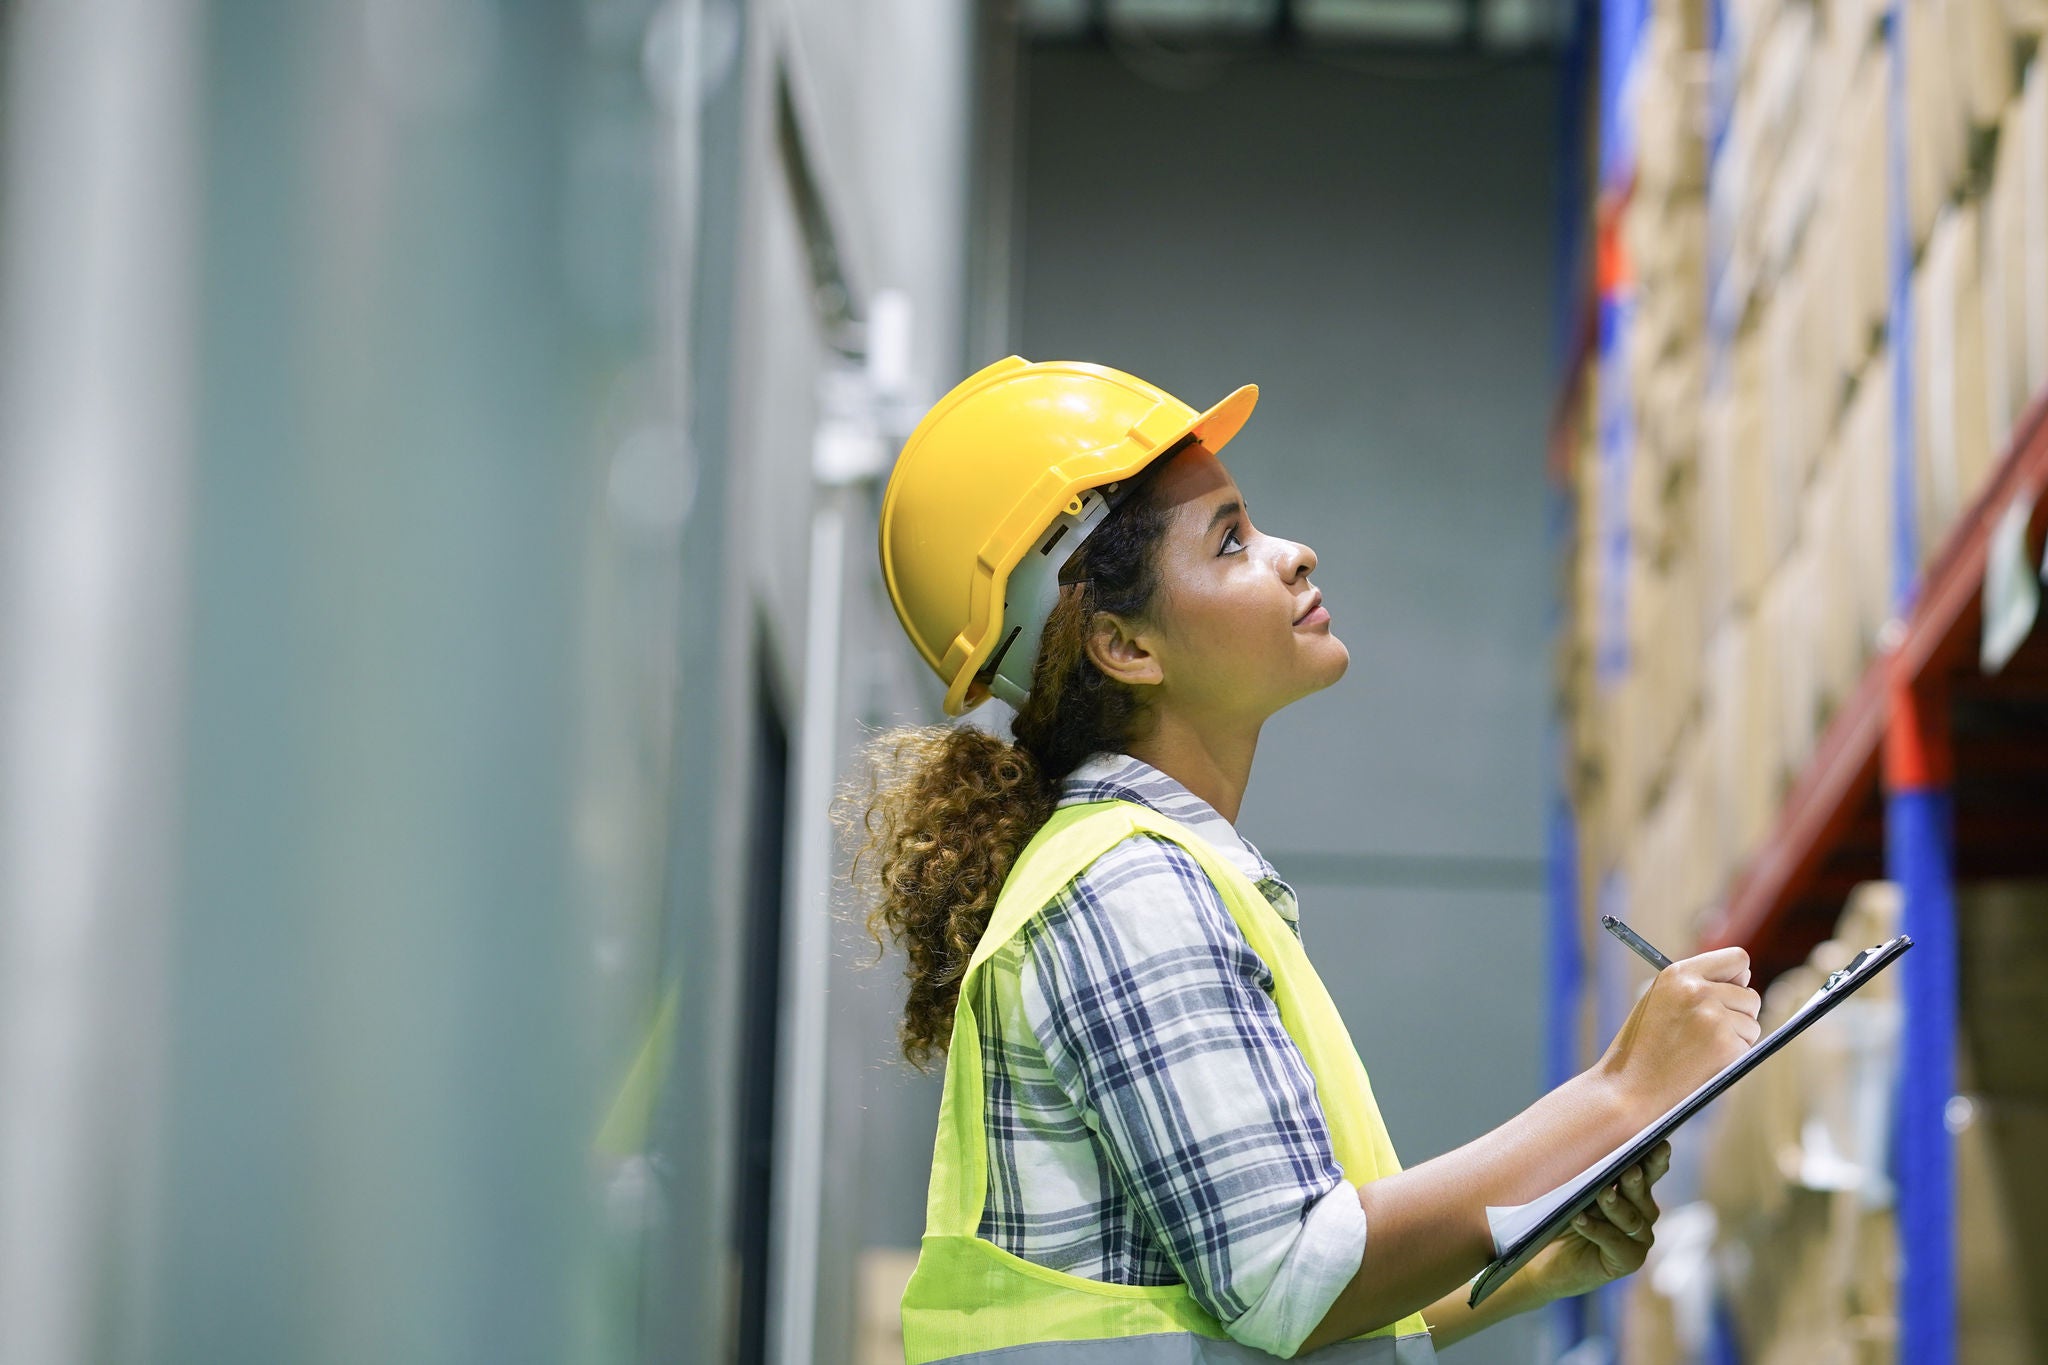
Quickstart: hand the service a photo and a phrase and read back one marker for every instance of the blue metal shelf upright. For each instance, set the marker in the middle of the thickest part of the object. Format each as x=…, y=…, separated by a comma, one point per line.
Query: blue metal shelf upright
x=1594, y=308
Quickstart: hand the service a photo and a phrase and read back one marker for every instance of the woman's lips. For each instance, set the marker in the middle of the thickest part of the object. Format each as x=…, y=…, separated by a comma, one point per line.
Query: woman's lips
x=1319, y=616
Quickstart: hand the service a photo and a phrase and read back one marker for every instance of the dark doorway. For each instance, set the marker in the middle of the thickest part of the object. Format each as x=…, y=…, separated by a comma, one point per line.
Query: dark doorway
x=760, y=1009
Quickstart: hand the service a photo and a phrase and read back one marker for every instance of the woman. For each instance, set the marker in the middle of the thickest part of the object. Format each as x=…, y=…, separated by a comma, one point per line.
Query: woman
x=1156, y=1140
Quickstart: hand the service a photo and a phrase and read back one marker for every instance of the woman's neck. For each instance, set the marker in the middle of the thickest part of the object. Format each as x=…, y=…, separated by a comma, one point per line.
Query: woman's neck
x=1215, y=765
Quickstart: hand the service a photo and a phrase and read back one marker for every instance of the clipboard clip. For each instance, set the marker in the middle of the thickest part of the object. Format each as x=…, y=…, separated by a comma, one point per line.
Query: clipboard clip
x=1841, y=974
x=1837, y=977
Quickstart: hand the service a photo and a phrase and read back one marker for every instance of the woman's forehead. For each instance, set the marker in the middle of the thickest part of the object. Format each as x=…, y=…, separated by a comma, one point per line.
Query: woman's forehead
x=1194, y=483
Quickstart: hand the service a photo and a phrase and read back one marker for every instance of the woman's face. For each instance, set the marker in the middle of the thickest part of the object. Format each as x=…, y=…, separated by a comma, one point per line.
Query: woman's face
x=1234, y=638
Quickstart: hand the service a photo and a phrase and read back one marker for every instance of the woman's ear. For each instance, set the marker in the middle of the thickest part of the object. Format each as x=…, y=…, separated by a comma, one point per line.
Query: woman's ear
x=1120, y=653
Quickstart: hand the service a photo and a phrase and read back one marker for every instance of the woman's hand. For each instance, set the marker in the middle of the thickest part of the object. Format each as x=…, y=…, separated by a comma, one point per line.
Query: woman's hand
x=1698, y=1015
x=1609, y=1240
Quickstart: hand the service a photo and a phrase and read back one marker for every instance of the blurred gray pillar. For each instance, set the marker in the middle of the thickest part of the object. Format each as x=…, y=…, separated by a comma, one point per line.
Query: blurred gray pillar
x=379, y=1115
x=343, y=491
x=94, y=445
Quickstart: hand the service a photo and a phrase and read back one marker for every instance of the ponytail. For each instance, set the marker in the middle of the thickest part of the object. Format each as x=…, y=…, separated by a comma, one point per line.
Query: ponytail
x=942, y=811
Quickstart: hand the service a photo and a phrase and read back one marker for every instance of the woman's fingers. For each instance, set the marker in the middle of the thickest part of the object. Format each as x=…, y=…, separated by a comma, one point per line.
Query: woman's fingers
x=1635, y=1188
x=1658, y=1162
x=1741, y=999
x=1620, y=1252
x=1723, y=964
x=1746, y=1004
x=1620, y=1209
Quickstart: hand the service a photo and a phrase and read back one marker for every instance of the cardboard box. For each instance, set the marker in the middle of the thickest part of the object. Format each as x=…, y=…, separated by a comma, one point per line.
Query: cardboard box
x=1793, y=394
x=1824, y=267
x=1671, y=395
x=1748, y=518
x=1813, y=1274
x=1715, y=509
x=1670, y=153
x=1779, y=163
x=1872, y=914
x=1952, y=443
x=1796, y=605
x=2003, y=954
x=1866, y=453
x=1872, y=1328
x=1810, y=1270
x=2028, y=18
x=1703, y=877
x=1982, y=58
x=1865, y=277
x=1811, y=133
x=1937, y=128
x=2001, y=1197
x=1774, y=611
x=1633, y=748
x=1736, y=181
x=1673, y=275
x=1825, y=526
x=880, y=1279
x=2029, y=125
x=1649, y=1334
x=1857, y=25
x=1670, y=870
x=1748, y=24
x=1742, y=687
x=1730, y=259
x=2004, y=270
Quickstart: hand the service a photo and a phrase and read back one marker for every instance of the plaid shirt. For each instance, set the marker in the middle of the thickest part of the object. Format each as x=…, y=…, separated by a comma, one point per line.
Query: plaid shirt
x=1149, y=1119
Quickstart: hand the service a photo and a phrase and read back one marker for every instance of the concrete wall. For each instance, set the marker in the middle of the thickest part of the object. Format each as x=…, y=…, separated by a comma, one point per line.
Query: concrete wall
x=1376, y=254
x=880, y=89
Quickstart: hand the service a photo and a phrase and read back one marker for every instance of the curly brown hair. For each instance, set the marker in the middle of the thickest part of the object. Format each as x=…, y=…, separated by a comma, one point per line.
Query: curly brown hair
x=940, y=812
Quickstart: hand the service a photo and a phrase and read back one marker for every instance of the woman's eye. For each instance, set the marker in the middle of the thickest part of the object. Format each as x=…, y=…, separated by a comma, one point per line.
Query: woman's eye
x=1230, y=538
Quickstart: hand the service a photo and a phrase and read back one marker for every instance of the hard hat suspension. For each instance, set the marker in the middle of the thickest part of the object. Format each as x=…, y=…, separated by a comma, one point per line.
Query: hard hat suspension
x=1034, y=590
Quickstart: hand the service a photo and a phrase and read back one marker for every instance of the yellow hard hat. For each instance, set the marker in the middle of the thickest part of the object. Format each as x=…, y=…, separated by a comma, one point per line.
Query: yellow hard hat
x=1014, y=451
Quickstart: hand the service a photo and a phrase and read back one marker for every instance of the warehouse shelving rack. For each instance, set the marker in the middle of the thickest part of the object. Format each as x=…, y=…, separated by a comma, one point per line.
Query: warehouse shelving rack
x=1921, y=717
x=1930, y=773
x=1933, y=772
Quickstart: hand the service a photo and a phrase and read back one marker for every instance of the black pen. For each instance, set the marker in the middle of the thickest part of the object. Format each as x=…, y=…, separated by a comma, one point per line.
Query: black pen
x=1635, y=941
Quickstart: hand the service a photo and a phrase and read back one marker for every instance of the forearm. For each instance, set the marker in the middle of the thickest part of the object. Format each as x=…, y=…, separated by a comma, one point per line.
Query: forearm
x=1451, y=1320
x=1426, y=1230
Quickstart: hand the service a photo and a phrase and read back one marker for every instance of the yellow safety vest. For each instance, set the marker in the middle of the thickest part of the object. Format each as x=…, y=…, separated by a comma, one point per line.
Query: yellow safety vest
x=968, y=1298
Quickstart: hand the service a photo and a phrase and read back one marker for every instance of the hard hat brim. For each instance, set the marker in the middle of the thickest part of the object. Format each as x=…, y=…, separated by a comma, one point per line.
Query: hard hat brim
x=1213, y=428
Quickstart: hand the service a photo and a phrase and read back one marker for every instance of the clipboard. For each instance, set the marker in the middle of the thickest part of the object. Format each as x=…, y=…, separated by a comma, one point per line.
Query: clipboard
x=1586, y=1188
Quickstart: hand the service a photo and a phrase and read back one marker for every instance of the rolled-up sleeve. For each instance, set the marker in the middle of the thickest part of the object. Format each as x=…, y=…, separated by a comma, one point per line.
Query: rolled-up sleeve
x=1157, y=1019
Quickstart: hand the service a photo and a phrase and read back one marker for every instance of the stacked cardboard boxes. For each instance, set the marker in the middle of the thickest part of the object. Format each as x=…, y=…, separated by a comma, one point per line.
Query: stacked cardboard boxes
x=1585, y=702
x=1649, y=711
x=1807, y=1238
x=1796, y=1173
x=1754, y=581
x=1804, y=1243
x=1764, y=385
x=2001, y=1123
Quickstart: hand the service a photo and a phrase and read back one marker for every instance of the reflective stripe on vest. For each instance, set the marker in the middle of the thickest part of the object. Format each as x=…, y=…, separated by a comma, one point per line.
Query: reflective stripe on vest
x=1184, y=1348
x=968, y=1299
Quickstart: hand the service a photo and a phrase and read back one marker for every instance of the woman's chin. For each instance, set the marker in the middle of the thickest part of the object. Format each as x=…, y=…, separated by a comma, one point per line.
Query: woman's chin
x=1337, y=666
